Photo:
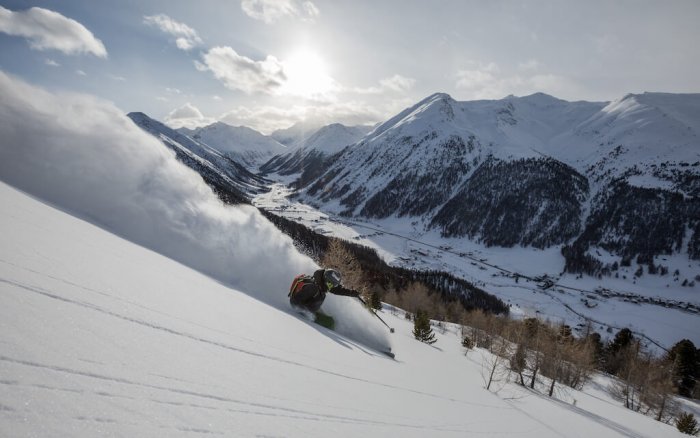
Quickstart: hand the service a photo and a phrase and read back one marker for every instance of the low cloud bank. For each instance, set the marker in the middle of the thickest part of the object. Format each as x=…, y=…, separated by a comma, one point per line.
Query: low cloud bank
x=84, y=155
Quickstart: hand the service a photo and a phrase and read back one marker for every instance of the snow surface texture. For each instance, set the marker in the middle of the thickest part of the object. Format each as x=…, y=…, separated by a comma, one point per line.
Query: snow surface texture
x=102, y=337
x=85, y=156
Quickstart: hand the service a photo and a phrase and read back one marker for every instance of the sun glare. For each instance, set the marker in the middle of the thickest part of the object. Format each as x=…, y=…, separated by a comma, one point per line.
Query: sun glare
x=307, y=75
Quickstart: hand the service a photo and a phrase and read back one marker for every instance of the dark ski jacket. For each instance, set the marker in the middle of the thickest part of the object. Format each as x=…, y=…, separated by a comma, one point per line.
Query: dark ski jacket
x=310, y=295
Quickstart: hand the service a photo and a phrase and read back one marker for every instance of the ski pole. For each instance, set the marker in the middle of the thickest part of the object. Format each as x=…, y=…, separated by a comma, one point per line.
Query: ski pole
x=391, y=330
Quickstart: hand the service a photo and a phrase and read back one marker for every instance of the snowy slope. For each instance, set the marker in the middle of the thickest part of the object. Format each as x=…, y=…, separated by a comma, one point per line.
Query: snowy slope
x=333, y=138
x=308, y=152
x=435, y=146
x=102, y=337
x=108, y=171
x=601, y=141
x=241, y=143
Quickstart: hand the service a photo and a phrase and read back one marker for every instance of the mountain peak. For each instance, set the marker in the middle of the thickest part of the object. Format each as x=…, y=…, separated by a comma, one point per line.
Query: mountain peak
x=437, y=97
x=541, y=99
x=219, y=125
x=296, y=133
x=241, y=143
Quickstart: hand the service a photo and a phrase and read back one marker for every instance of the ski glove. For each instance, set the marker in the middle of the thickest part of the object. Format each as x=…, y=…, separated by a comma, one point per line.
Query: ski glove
x=340, y=290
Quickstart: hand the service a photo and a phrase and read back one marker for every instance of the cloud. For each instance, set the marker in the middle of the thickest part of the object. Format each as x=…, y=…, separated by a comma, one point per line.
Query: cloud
x=487, y=81
x=311, y=10
x=302, y=75
x=267, y=119
x=83, y=155
x=186, y=38
x=239, y=72
x=483, y=81
x=51, y=62
x=396, y=83
x=271, y=11
x=529, y=65
x=49, y=30
x=264, y=119
x=187, y=116
x=80, y=73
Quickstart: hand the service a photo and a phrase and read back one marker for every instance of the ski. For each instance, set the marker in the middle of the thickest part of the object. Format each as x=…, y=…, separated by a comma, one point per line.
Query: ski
x=328, y=322
x=319, y=318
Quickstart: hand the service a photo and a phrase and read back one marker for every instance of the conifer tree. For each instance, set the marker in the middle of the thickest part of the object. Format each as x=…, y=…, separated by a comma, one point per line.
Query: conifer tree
x=686, y=423
x=616, y=351
x=596, y=344
x=421, y=328
x=374, y=301
x=686, y=366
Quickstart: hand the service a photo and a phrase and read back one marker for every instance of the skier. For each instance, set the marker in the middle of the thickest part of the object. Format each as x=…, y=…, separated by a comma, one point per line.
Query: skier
x=308, y=293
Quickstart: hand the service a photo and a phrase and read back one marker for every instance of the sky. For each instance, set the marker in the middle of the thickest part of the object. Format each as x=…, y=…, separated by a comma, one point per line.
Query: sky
x=269, y=64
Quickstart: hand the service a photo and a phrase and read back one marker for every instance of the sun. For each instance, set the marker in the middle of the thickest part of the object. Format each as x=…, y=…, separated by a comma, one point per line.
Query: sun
x=307, y=75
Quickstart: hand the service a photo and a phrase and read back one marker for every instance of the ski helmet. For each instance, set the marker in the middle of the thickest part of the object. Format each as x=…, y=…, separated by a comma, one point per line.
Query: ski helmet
x=332, y=278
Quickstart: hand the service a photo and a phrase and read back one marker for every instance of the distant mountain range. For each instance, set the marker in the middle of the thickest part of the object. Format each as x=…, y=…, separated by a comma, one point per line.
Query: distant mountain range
x=295, y=133
x=607, y=181
x=310, y=154
x=232, y=181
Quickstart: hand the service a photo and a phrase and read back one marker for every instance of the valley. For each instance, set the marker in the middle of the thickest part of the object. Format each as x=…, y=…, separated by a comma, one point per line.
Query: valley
x=530, y=280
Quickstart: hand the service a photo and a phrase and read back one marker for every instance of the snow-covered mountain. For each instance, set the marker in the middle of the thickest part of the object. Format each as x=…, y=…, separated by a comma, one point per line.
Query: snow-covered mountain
x=231, y=180
x=308, y=154
x=333, y=138
x=533, y=171
x=242, y=144
x=296, y=133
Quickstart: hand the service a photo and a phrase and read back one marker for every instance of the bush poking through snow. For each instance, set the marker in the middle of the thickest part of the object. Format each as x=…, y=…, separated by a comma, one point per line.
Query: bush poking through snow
x=468, y=344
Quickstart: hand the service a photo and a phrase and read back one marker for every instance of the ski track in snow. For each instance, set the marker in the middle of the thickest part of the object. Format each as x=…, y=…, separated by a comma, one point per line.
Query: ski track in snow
x=79, y=388
x=268, y=409
x=45, y=293
x=247, y=407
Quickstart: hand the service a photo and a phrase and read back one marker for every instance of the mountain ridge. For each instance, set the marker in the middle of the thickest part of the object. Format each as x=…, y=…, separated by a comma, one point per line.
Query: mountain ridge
x=426, y=160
